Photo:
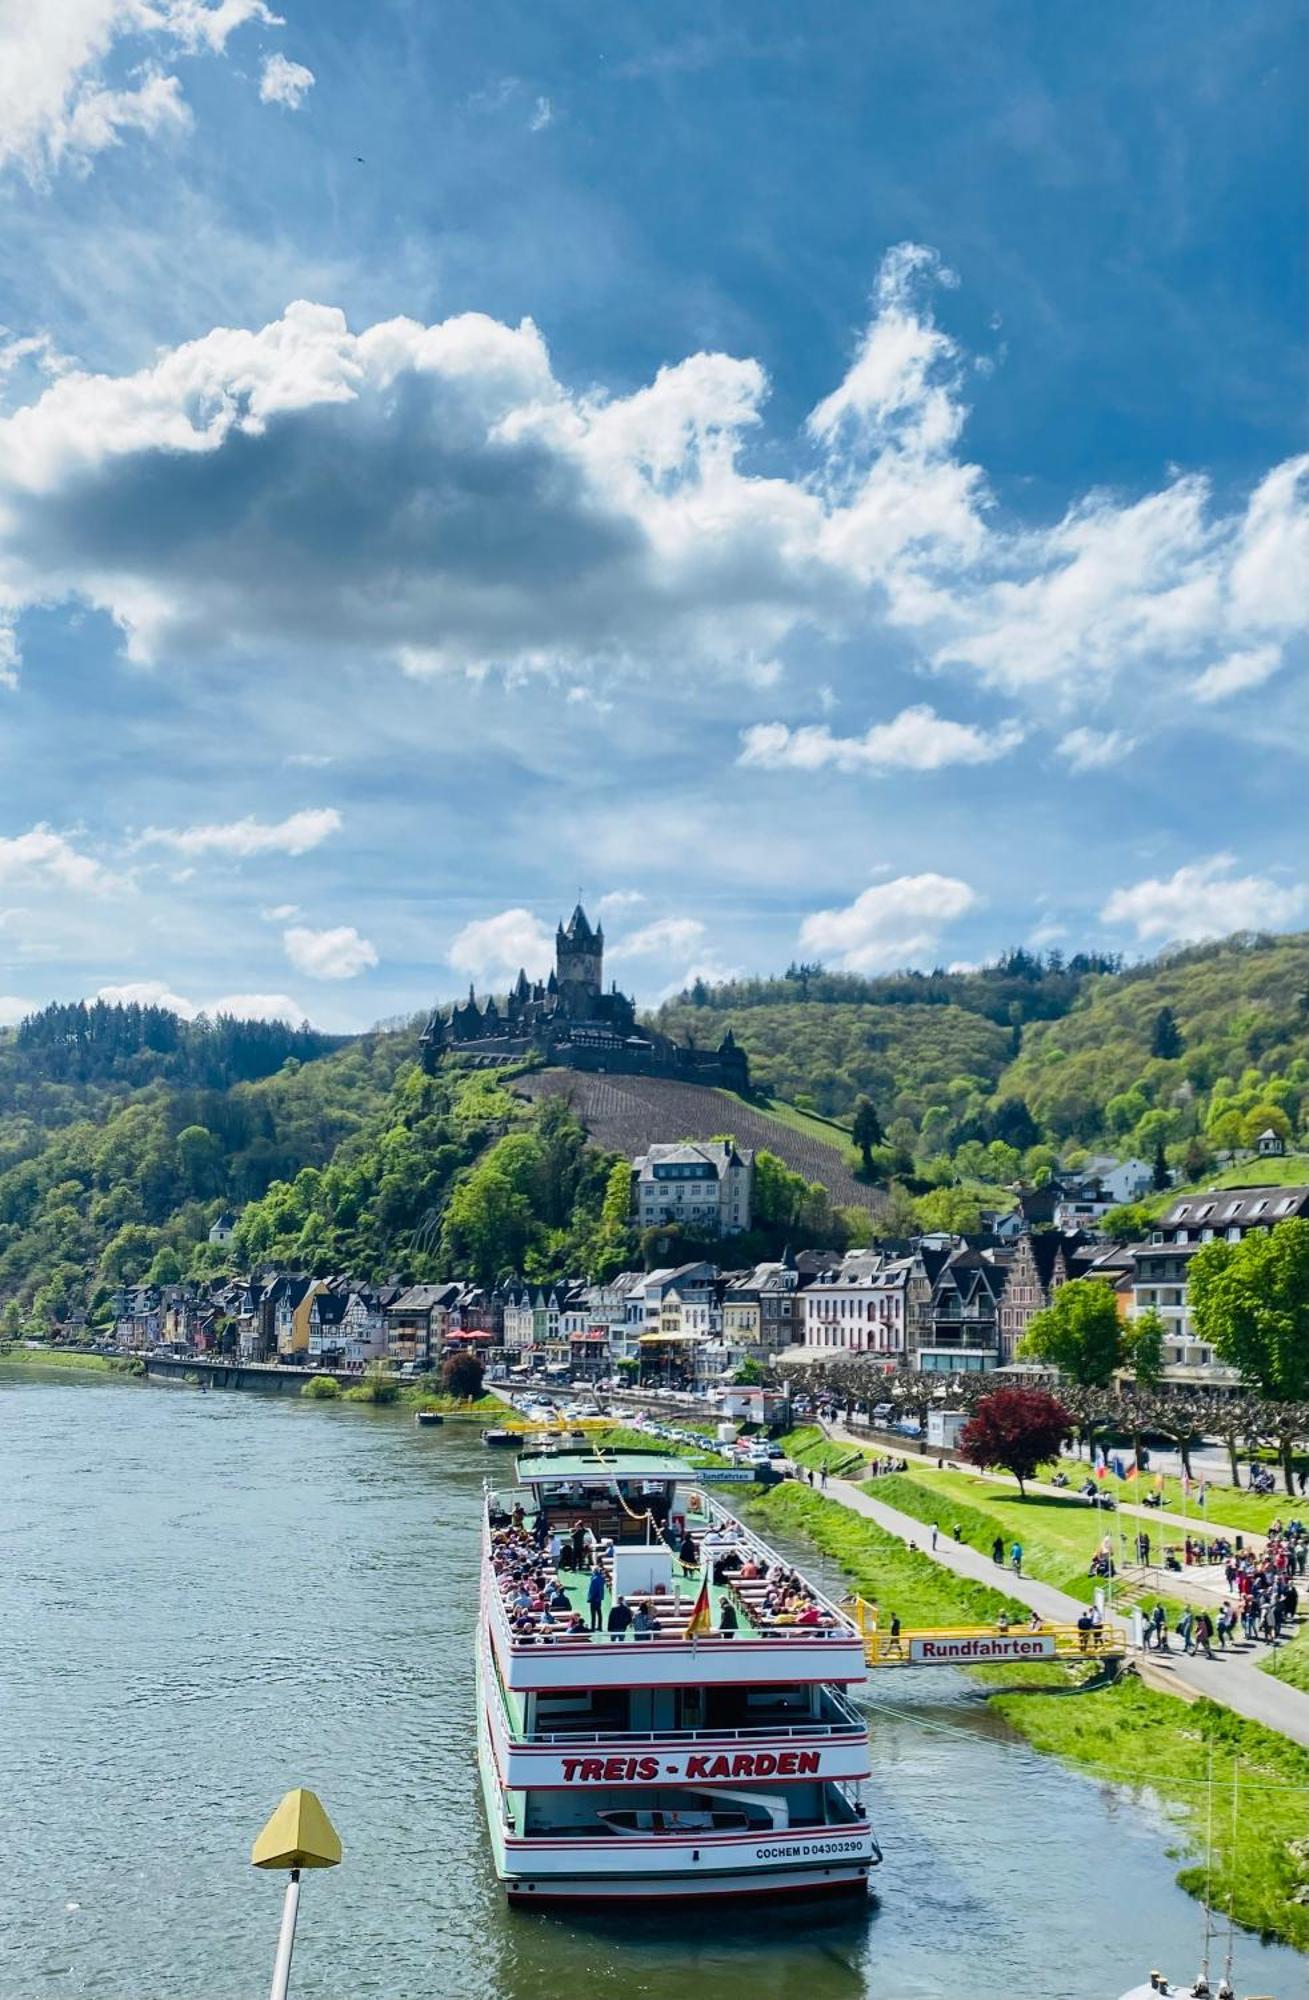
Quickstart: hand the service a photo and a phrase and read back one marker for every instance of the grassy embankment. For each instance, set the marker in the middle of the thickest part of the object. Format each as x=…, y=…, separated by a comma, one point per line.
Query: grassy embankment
x=44, y=1358
x=1126, y=1733
x=808, y=1447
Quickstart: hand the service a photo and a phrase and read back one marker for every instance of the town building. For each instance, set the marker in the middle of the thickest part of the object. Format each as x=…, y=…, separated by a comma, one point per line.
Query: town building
x=705, y=1187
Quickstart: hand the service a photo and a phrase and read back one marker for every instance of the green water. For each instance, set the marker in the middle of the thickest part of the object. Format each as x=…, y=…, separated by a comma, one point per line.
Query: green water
x=206, y=1599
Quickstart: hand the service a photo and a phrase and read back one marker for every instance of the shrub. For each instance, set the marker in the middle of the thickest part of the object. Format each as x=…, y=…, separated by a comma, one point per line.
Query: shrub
x=322, y=1389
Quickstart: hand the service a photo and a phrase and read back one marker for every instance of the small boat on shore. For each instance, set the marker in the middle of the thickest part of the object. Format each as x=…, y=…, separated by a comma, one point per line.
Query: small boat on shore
x=426, y=1417
x=499, y=1438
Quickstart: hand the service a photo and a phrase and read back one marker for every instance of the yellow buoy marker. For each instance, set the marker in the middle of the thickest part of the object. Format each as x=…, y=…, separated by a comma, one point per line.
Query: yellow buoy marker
x=299, y=1835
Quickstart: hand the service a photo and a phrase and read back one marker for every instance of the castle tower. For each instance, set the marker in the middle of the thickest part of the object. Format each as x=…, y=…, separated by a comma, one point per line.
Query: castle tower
x=579, y=958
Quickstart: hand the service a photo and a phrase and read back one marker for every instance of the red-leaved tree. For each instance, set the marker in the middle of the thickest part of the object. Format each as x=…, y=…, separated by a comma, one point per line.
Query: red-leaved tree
x=1016, y=1428
x=462, y=1374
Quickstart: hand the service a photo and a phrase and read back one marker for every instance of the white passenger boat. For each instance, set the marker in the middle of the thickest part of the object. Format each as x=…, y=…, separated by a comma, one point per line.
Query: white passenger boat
x=709, y=1748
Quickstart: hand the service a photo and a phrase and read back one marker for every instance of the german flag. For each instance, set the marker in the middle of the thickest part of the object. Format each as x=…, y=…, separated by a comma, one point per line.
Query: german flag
x=702, y=1614
x=1132, y=1470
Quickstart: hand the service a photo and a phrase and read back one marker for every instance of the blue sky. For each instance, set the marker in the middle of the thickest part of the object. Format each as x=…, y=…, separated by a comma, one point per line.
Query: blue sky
x=827, y=488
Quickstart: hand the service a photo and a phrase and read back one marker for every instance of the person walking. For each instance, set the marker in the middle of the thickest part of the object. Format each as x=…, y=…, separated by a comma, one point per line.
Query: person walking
x=822, y=1479
x=894, y=1636
x=620, y=1617
x=1159, y=1626
x=957, y=1532
x=934, y=1537
x=1185, y=1629
x=1016, y=1558
x=595, y=1597
x=997, y=1552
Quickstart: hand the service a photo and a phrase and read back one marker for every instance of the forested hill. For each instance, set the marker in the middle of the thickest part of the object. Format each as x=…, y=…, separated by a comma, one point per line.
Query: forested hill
x=1034, y=1050
x=66, y=1059
x=124, y=1131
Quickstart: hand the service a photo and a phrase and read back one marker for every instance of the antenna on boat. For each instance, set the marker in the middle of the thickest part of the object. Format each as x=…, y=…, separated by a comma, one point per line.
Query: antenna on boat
x=1226, y=1990
x=1202, y=1983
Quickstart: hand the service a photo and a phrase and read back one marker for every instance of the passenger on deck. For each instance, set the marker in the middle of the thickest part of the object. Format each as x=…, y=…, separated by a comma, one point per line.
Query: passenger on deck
x=595, y=1596
x=620, y=1617
x=643, y=1625
x=688, y=1555
x=727, y=1618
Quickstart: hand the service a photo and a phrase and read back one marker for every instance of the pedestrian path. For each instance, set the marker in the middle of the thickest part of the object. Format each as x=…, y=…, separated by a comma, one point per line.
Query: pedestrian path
x=1233, y=1678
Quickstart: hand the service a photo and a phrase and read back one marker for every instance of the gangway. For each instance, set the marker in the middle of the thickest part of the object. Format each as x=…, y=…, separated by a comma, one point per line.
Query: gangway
x=980, y=1645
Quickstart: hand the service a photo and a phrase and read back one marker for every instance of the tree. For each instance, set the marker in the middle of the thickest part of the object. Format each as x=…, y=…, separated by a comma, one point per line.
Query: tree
x=749, y=1374
x=463, y=1376
x=1250, y=1301
x=1143, y=1341
x=951, y=1209
x=1166, y=1037
x=1129, y=1223
x=1262, y=1118
x=166, y=1268
x=866, y=1130
x=1018, y=1429
x=1079, y=1332
x=1159, y=1175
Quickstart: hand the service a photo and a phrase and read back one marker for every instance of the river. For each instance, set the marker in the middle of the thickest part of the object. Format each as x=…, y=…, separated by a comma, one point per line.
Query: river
x=206, y=1599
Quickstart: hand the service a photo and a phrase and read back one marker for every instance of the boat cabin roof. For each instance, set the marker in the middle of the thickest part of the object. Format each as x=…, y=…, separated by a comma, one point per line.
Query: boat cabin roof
x=593, y=1467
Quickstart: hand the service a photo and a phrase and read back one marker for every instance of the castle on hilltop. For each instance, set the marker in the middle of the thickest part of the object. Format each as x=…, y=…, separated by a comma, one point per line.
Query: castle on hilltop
x=570, y=1019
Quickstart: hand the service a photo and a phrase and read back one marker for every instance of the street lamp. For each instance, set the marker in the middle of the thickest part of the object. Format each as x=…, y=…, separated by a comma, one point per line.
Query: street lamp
x=299, y=1835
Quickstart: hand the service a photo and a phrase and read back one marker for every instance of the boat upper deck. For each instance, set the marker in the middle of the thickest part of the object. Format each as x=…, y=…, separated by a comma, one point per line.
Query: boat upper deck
x=679, y=1573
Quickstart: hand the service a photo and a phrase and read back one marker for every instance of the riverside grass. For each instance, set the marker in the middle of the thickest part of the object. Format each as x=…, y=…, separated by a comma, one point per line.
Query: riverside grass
x=42, y=1358
x=1059, y=1535
x=810, y=1447
x=1124, y=1731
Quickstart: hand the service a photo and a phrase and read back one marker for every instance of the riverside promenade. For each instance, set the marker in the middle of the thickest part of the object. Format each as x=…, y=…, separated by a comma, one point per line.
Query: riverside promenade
x=1233, y=1678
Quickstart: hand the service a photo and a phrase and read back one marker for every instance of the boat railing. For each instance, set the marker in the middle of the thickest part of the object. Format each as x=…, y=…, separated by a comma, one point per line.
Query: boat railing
x=771, y=1731
x=720, y=1515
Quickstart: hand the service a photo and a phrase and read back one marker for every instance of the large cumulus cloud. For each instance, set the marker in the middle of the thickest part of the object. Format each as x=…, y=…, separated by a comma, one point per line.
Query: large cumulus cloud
x=436, y=496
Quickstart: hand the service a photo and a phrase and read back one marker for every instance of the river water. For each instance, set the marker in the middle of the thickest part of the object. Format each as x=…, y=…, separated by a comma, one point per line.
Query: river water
x=206, y=1599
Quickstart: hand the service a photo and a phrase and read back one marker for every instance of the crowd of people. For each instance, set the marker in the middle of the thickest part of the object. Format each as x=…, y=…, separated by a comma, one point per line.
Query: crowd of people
x=528, y=1561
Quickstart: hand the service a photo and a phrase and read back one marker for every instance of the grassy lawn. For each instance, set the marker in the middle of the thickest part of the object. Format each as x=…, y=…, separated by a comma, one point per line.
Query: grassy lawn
x=1224, y=1506
x=60, y=1357
x=1291, y=1662
x=1136, y=1737
x=1058, y=1535
x=879, y=1566
x=1126, y=1733
x=808, y=1447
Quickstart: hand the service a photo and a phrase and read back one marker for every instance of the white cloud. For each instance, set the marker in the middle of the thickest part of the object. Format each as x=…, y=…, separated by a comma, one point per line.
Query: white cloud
x=1204, y=899
x=279, y=913
x=708, y=970
x=1047, y=933
x=918, y=739
x=1092, y=749
x=55, y=105
x=14, y=1010
x=617, y=900
x=666, y=936
x=542, y=115
x=332, y=954
x=491, y=949
x=148, y=993
x=240, y=838
x=592, y=534
x=1237, y=673
x=259, y=1007
x=284, y=82
x=890, y=925
x=310, y=760
x=44, y=859
x=243, y=1006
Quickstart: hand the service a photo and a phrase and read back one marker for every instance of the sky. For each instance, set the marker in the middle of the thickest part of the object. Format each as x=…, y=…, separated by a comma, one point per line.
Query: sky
x=822, y=483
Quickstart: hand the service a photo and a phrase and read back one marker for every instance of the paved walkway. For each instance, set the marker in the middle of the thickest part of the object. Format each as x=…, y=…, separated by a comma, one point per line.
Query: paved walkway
x=1234, y=1678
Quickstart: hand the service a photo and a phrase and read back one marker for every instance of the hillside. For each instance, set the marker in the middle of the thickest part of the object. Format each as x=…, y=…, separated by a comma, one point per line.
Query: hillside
x=1037, y=1053
x=124, y=1132
x=625, y=1114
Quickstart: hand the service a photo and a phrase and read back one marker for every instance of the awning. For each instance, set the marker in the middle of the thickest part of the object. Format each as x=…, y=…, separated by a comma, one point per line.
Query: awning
x=671, y=1339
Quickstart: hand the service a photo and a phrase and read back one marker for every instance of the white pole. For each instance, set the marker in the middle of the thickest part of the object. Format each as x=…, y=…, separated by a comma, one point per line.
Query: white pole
x=286, y=1938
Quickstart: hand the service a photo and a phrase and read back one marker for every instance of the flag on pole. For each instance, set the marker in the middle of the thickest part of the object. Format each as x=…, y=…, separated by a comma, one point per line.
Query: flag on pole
x=1132, y=1471
x=1159, y=1482
x=702, y=1616
x=1186, y=1482
x=1101, y=1469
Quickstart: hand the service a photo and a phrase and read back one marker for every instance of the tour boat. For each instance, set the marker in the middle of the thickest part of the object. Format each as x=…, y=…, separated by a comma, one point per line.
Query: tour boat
x=500, y=1438
x=712, y=1749
x=428, y=1418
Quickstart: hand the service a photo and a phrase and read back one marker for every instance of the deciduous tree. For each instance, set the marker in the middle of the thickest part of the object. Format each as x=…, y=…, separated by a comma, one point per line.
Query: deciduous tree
x=1015, y=1428
x=1079, y=1332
